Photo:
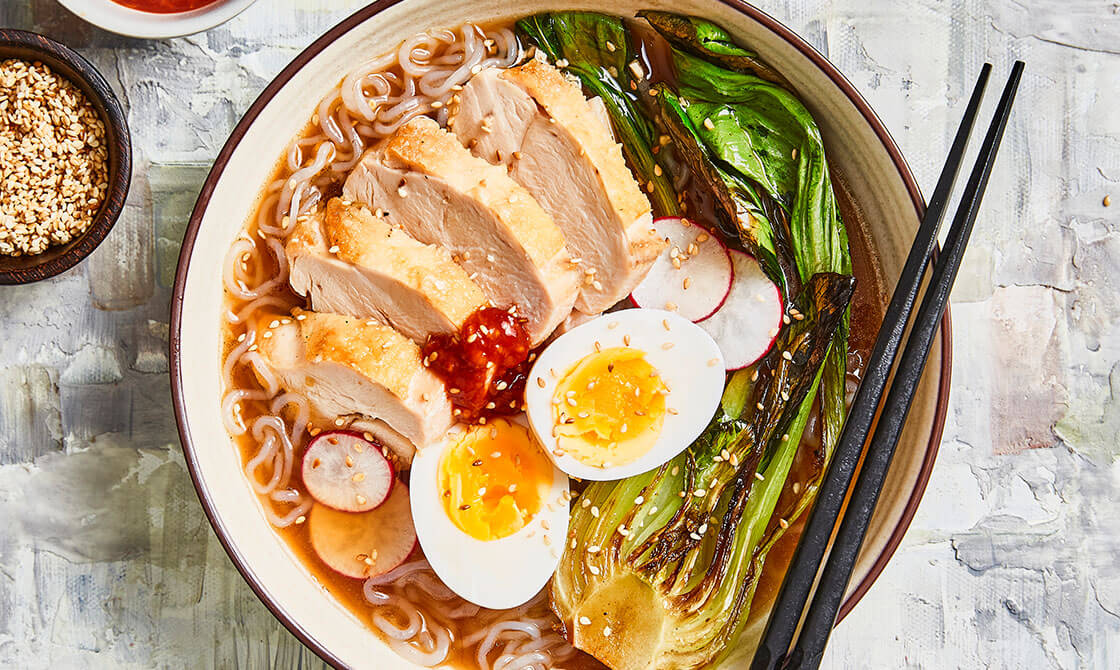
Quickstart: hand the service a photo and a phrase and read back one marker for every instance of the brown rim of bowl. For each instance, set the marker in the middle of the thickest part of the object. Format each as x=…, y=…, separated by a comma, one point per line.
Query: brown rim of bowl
x=345, y=26
x=73, y=66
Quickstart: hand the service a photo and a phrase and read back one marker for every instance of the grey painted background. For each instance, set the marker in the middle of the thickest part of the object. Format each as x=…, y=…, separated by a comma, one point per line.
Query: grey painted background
x=1013, y=560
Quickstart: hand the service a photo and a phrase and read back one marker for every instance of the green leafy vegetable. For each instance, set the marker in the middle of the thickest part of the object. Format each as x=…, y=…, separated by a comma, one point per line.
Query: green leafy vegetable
x=669, y=559
x=598, y=50
x=712, y=41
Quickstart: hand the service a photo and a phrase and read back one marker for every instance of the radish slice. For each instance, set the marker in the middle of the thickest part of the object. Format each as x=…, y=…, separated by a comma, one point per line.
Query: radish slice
x=364, y=544
x=701, y=283
x=749, y=320
x=344, y=471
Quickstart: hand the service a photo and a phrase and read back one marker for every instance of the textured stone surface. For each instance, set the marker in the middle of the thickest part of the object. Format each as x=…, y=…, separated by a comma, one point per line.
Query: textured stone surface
x=107, y=561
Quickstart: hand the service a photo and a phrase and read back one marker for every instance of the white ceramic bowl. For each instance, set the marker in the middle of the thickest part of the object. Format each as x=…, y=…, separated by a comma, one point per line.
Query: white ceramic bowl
x=867, y=161
x=125, y=21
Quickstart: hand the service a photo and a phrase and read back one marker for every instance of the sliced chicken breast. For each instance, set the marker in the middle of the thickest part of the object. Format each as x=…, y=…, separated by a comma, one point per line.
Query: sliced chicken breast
x=555, y=144
x=441, y=194
x=348, y=366
x=351, y=261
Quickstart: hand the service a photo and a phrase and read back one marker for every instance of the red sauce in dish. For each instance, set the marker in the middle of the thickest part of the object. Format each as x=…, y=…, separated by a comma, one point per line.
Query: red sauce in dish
x=484, y=366
x=165, y=6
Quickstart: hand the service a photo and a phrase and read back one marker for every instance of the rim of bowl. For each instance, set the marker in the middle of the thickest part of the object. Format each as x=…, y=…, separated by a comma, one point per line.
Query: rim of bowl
x=347, y=24
x=130, y=22
x=74, y=67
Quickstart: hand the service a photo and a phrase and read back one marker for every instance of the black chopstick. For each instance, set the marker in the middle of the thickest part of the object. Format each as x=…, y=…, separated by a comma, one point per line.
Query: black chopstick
x=786, y=613
x=821, y=616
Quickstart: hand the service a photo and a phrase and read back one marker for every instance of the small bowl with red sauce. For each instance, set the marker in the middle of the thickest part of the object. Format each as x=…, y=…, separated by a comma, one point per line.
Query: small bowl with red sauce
x=156, y=19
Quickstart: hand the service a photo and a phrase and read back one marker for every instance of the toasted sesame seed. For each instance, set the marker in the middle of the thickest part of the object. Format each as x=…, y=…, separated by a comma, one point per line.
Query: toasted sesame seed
x=708, y=124
x=783, y=523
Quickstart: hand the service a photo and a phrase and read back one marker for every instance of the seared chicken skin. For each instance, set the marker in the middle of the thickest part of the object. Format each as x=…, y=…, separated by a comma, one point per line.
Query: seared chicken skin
x=555, y=144
x=348, y=366
x=356, y=262
x=440, y=194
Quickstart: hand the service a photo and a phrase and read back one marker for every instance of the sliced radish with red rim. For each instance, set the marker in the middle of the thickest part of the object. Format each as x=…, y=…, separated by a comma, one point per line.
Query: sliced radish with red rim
x=749, y=320
x=344, y=471
x=692, y=277
x=364, y=544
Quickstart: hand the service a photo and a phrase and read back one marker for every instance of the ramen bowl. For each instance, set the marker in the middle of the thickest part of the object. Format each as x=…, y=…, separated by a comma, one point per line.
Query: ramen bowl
x=868, y=168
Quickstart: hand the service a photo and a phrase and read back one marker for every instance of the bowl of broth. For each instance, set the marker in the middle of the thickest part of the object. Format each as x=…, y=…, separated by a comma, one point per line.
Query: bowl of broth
x=156, y=19
x=421, y=410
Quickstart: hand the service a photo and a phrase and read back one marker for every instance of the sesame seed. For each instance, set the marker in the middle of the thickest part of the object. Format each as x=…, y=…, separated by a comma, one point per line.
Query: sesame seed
x=708, y=124
x=586, y=503
x=759, y=476
x=584, y=621
x=695, y=536
x=595, y=512
x=606, y=631
x=783, y=523
x=699, y=493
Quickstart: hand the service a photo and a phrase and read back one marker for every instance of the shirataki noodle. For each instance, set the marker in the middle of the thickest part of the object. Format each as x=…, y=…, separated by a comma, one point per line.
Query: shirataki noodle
x=419, y=617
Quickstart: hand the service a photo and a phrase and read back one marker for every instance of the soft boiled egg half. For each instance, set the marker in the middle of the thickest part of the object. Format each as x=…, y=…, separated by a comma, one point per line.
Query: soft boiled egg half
x=491, y=512
x=624, y=393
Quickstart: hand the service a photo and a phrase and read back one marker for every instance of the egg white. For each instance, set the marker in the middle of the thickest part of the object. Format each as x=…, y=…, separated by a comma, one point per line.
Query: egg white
x=499, y=574
x=692, y=369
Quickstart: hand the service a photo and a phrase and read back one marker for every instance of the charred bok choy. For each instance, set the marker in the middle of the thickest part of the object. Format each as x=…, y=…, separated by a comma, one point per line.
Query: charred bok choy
x=661, y=569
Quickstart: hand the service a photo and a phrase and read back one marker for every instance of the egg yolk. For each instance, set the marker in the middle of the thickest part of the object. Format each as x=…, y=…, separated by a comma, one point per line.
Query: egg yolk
x=609, y=408
x=493, y=480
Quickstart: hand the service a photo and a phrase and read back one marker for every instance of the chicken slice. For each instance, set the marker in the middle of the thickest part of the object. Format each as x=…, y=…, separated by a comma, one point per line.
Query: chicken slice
x=555, y=144
x=441, y=194
x=348, y=366
x=351, y=261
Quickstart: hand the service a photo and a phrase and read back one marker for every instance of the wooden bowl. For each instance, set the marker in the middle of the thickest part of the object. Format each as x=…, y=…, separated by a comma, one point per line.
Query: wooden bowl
x=68, y=63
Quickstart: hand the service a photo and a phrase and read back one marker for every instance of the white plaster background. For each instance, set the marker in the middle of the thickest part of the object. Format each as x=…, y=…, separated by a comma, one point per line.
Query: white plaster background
x=1012, y=561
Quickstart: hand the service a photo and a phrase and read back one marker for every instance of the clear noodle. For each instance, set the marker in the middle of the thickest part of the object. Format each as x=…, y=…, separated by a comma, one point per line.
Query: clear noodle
x=419, y=617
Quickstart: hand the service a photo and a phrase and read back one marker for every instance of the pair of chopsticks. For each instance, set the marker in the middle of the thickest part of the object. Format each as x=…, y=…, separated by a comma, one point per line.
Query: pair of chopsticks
x=820, y=616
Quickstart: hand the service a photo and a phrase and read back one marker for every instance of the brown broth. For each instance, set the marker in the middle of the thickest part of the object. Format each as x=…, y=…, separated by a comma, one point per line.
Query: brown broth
x=867, y=313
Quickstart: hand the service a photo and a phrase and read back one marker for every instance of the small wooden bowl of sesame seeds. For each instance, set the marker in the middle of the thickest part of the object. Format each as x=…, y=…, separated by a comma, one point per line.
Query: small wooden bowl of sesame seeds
x=65, y=157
